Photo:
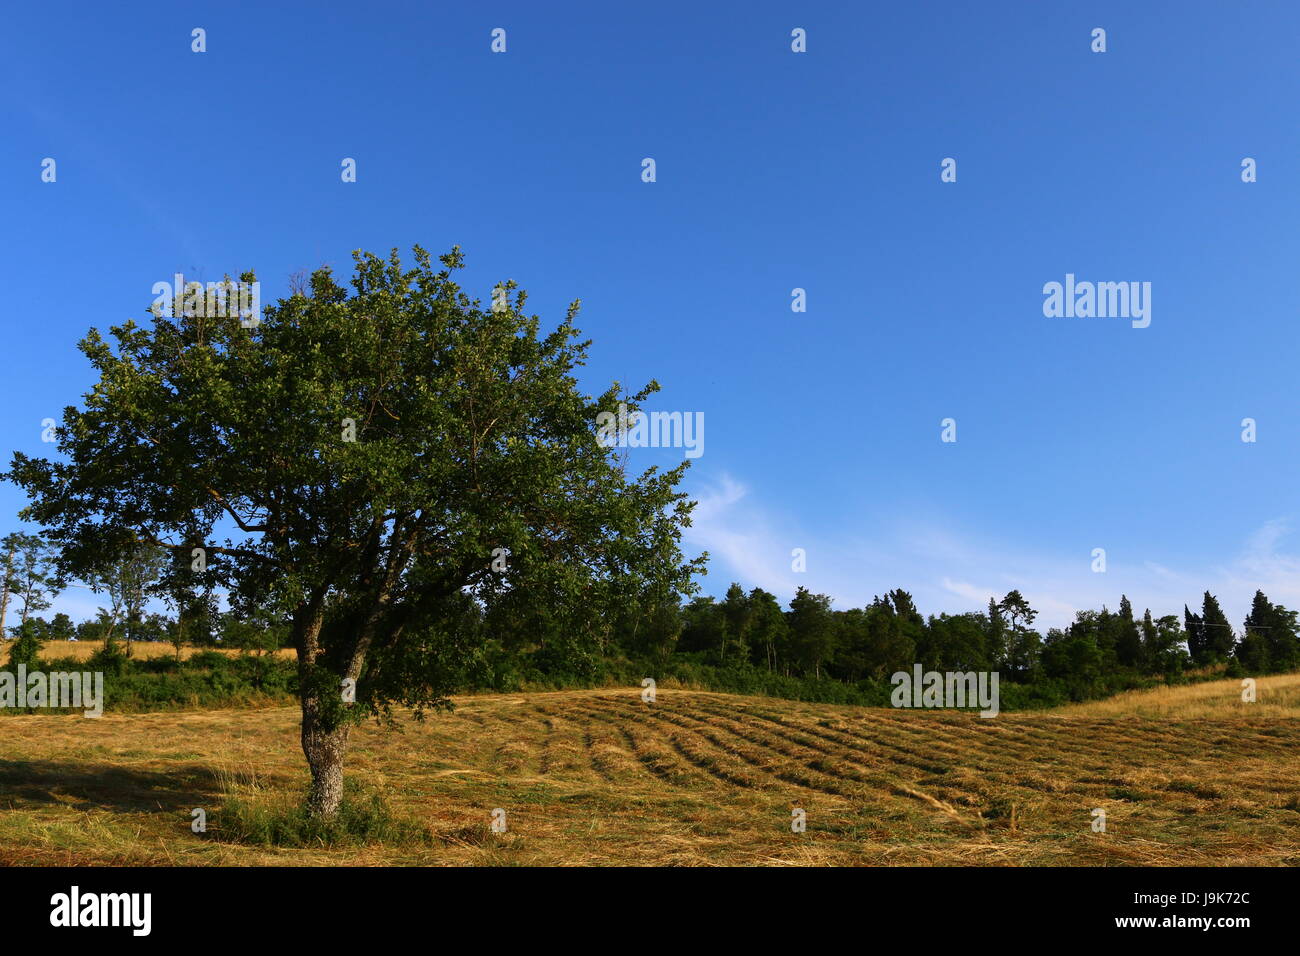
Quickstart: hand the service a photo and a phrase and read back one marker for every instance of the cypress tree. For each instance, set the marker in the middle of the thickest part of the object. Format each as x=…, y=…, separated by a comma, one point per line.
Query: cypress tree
x=1218, y=639
x=1128, y=642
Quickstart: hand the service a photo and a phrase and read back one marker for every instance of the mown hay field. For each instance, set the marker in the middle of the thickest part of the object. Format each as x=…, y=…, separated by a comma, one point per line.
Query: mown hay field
x=601, y=777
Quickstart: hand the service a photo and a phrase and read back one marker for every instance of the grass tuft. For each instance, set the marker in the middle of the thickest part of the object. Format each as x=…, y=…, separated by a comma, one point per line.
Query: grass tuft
x=252, y=814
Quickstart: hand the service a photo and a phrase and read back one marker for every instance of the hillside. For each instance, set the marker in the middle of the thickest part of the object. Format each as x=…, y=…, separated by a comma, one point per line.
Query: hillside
x=1275, y=696
x=694, y=779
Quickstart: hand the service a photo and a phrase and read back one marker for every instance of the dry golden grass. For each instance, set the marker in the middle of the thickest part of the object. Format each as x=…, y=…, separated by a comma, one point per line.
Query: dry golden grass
x=1277, y=696
x=144, y=650
x=598, y=777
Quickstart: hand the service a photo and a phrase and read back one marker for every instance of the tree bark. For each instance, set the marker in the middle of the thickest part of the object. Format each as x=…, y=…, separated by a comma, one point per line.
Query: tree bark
x=324, y=734
x=324, y=747
x=323, y=743
x=4, y=601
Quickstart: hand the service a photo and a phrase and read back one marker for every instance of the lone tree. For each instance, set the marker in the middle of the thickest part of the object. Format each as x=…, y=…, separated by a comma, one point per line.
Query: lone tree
x=36, y=575
x=363, y=466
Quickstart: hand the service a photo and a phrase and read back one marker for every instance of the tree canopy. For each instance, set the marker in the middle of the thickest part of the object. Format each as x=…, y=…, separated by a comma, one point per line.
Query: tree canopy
x=361, y=464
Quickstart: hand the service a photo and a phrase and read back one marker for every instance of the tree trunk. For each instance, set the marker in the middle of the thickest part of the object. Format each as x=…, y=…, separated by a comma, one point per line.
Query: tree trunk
x=4, y=600
x=324, y=748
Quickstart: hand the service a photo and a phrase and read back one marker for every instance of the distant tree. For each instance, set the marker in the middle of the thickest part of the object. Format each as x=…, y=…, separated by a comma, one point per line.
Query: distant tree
x=102, y=581
x=8, y=583
x=703, y=626
x=105, y=624
x=1168, y=655
x=735, y=617
x=111, y=657
x=1284, y=638
x=1150, y=639
x=1128, y=640
x=661, y=627
x=851, y=645
x=1252, y=651
x=1106, y=637
x=1268, y=642
x=128, y=578
x=61, y=628
x=26, y=649
x=955, y=643
x=153, y=627
x=1053, y=660
x=1218, y=640
x=139, y=573
x=1195, y=628
x=36, y=575
x=910, y=621
x=176, y=635
x=1087, y=624
x=1022, y=642
x=995, y=635
x=89, y=630
x=769, y=633
x=35, y=625
x=200, y=619
x=812, y=630
x=890, y=642
x=1073, y=657
x=1016, y=611
x=246, y=633
x=652, y=629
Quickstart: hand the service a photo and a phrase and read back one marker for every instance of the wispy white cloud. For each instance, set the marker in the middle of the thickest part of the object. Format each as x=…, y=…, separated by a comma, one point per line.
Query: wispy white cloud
x=943, y=569
x=946, y=571
x=739, y=538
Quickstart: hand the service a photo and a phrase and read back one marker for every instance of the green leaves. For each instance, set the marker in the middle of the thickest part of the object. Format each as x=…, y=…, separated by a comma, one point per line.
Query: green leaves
x=471, y=434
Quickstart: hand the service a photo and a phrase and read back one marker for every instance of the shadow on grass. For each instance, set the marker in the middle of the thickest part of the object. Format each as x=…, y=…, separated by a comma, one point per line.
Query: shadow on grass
x=88, y=786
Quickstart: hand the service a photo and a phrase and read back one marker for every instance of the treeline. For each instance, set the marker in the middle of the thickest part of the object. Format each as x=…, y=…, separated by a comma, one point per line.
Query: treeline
x=746, y=642
x=890, y=634
x=224, y=629
x=807, y=639
x=30, y=580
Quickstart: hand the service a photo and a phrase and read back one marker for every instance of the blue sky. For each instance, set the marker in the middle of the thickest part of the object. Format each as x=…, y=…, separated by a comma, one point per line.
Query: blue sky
x=775, y=170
